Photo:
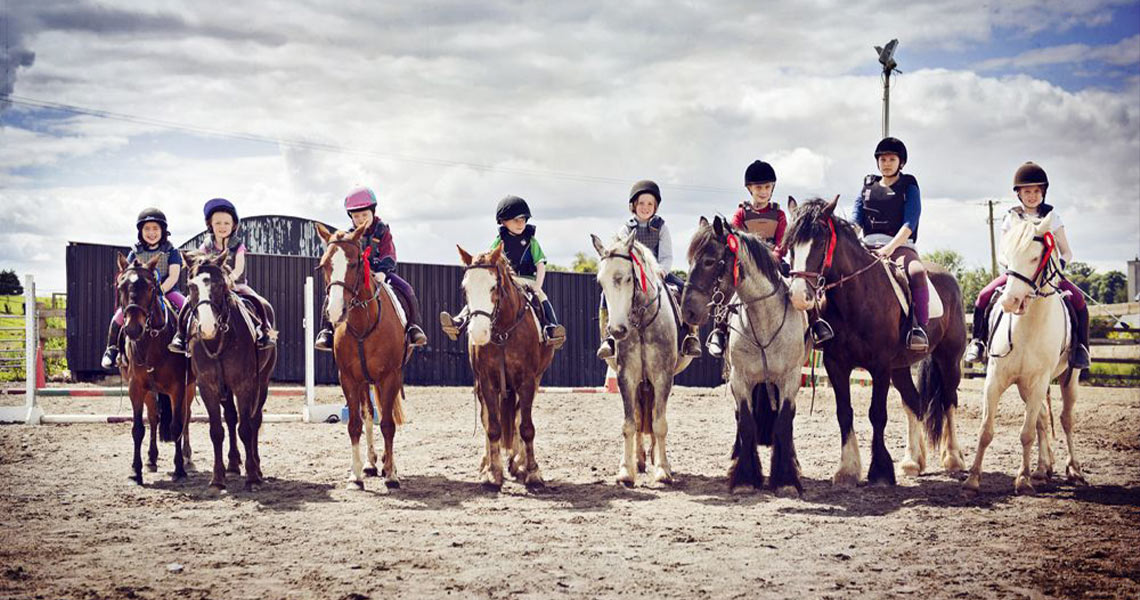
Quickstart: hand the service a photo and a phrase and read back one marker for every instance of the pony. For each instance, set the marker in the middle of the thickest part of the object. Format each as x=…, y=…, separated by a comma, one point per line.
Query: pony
x=1033, y=341
x=834, y=273
x=158, y=379
x=369, y=348
x=643, y=322
x=508, y=358
x=765, y=352
x=224, y=353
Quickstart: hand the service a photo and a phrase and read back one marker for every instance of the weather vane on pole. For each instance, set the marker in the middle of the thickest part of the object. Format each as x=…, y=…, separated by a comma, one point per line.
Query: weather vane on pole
x=887, y=59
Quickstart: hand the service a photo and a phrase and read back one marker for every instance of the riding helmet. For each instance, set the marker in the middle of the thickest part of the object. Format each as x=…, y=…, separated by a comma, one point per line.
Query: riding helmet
x=149, y=215
x=216, y=204
x=891, y=145
x=644, y=186
x=759, y=172
x=360, y=199
x=1030, y=174
x=511, y=207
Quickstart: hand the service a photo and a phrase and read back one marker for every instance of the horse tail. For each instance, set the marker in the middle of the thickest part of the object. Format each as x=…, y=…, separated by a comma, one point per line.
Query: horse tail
x=645, y=406
x=507, y=422
x=932, y=399
x=764, y=413
x=398, y=407
x=165, y=417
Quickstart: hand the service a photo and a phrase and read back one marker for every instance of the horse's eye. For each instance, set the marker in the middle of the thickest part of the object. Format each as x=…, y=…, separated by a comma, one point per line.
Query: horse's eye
x=709, y=261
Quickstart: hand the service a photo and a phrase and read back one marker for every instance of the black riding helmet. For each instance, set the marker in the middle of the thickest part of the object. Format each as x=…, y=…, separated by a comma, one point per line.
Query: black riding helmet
x=645, y=186
x=759, y=172
x=891, y=145
x=1031, y=174
x=152, y=215
x=512, y=207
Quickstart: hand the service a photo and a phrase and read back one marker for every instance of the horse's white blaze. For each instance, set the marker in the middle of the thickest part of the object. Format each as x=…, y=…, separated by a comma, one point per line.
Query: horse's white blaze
x=478, y=284
x=339, y=264
x=801, y=296
x=133, y=277
x=618, y=291
x=207, y=322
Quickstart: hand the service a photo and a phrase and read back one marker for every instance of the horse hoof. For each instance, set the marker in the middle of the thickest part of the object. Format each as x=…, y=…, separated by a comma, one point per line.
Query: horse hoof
x=189, y=466
x=534, y=480
x=845, y=480
x=393, y=484
x=911, y=468
x=640, y=467
x=252, y=486
x=1039, y=476
x=743, y=489
x=1023, y=486
x=216, y=488
x=371, y=472
x=136, y=477
x=787, y=491
x=152, y=467
x=355, y=485
x=626, y=479
x=882, y=481
x=491, y=486
x=176, y=476
x=969, y=492
x=954, y=462
x=1075, y=476
x=234, y=468
x=663, y=477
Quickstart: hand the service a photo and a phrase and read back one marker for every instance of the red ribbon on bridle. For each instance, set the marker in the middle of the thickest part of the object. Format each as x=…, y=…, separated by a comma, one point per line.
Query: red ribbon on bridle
x=830, y=247
x=1050, y=244
x=367, y=267
x=641, y=270
x=734, y=248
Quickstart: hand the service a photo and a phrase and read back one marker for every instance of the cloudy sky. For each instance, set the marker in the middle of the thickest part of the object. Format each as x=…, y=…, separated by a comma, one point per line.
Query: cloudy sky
x=445, y=107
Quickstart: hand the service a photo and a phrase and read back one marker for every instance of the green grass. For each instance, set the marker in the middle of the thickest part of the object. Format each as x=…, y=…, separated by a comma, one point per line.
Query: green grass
x=14, y=305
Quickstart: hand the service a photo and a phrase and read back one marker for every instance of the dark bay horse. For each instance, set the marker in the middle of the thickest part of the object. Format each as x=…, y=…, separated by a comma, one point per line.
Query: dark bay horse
x=223, y=349
x=369, y=348
x=735, y=273
x=158, y=379
x=835, y=273
x=508, y=358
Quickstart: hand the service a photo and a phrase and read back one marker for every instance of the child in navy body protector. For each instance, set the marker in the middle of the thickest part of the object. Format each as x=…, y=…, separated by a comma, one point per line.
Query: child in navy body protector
x=528, y=261
x=153, y=240
x=361, y=207
x=222, y=223
x=1030, y=182
x=759, y=216
x=650, y=229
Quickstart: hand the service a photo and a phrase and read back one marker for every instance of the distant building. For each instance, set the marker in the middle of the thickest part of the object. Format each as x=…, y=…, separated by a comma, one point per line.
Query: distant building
x=274, y=234
x=1134, y=280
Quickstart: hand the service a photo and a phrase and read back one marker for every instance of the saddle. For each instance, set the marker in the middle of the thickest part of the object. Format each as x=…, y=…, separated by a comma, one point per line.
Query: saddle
x=994, y=316
x=901, y=284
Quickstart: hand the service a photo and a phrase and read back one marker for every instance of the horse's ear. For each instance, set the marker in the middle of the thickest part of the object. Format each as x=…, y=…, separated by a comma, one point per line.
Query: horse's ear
x=598, y=245
x=464, y=255
x=322, y=231
x=703, y=223
x=627, y=242
x=497, y=254
x=718, y=226
x=220, y=260
x=792, y=205
x=830, y=208
x=122, y=260
x=356, y=235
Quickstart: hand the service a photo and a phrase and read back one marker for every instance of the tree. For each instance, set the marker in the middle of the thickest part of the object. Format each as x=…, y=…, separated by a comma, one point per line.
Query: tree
x=10, y=284
x=584, y=264
x=1081, y=274
x=553, y=268
x=1110, y=287
x=972, y=282
x=949, y=259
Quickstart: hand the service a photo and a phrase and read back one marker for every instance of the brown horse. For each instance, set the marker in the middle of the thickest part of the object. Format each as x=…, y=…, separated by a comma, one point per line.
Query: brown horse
x=155, y=375
x=224, y=352
x=369, y=348
x=508, y=358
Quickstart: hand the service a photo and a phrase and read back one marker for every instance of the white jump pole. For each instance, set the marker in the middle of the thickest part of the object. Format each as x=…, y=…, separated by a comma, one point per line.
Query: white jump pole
x=31, y=413
x=314, y=413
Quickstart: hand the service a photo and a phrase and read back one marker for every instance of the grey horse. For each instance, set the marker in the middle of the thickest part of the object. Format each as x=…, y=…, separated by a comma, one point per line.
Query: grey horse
x=766, y=349
x=643, y=321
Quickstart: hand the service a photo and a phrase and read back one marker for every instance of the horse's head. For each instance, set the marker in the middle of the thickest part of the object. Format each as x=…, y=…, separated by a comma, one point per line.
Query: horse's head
x=624, y=266
x=1029, y=254
x=485, y=278
x=811, y=240
x=343, y=266
x=137, y=289
x=210, y=286
x=711, y=263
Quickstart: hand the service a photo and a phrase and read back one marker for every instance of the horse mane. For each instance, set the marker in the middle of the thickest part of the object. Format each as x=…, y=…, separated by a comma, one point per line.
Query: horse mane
x=1020, y=235
x=810, y=222
x=760, y=252
x=648, y=261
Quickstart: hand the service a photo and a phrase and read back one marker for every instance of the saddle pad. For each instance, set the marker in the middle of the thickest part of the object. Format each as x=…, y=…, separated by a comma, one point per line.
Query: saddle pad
x=935, y=305
x=999, y=345
x=396, y=303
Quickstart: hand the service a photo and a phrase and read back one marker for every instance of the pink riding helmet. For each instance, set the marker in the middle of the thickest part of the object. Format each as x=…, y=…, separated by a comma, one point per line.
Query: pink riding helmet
x=359, y=199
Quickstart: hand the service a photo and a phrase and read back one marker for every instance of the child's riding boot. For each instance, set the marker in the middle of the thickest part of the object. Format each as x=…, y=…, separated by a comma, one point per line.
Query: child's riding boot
x=555, y=333
x=717, y=340
x=453, y=325
x=112, y=352
x=1079, y=356
x=976, y=351
x=324, y=341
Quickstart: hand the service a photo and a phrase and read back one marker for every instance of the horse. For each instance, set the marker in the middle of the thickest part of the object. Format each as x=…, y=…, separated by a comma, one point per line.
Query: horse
x=851, y=287
x=369, y=348
x=766, y=351
x=158, y=379
x=224, y=353
x=1033, y=343
x=643, y=322
x=508, y=358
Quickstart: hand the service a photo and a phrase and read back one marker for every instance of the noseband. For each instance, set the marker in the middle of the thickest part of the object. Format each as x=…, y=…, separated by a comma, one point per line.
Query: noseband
x=501, y=336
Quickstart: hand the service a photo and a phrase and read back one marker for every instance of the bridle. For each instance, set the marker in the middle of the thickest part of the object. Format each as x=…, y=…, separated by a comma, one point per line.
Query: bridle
x=362, y=276
x=501, y=336
x=1046, y=272
x=637, y=311
x=155, y=299
x=222, y=317
x=817, y=280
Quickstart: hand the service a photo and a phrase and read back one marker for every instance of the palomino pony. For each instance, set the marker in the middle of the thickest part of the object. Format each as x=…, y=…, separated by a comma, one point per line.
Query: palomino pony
x=223, y=349
x=508, y=358
x=369, y=348
x=765, y=352
x=643, y=322
x=157, y=377
x=836, y=274
x=1031, y=345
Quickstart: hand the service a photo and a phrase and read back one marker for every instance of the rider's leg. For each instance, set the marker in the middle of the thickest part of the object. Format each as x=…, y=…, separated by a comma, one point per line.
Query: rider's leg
x=976, y=351
x=608, y=347
x=112, y=351
x=555, y=333
x=178, y=344
x=821, y=330
x=407, y=295
x=453, y=325
x=691, y=344
x=1079, y=357
x=916, y=340
x=264, y=339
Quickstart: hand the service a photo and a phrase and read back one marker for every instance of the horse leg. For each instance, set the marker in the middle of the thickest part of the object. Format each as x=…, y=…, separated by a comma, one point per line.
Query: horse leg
x=882, y=470
x=627, y=473
x=849, y=466
x=492, y=475
x=388, y=395
x=1045, y=457
x=370, y=470
x=355, y=396
x=661, y=388
x=1069, y=397
x=253, y=465
x=526, y=395
x=785, y=471
x=641, y=457
x=138, y=430
x=991, y=393
x=915, y=461
x=953, y=459
x=231, y=416
x=177, y=431
x=745, y=470
x=152, y=454
x=1033, y=393
x=217, y=434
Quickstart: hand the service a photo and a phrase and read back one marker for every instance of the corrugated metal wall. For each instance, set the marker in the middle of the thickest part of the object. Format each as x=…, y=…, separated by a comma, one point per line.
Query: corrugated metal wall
x=91, y=302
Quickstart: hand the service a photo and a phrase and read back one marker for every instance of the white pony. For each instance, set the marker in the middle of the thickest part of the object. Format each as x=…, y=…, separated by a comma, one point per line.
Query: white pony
x=1031, y=345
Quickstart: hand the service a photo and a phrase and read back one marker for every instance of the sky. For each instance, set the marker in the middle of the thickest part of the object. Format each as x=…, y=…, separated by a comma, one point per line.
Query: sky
x=444, y=107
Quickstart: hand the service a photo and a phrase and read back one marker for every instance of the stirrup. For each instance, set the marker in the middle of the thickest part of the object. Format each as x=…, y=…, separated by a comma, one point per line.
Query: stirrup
x=821, y=331
x=324, y=341
x=416, y=336
x=110, y=356
x=916, y=340
x=178, y=345
x=715, y=343
x=555, y=335
x=976, y=352
x=688, y=342
x=1079, y=357
x=264, y=342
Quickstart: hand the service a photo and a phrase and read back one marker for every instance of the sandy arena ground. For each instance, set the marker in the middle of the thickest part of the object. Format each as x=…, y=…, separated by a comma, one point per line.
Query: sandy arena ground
x=74, y=526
